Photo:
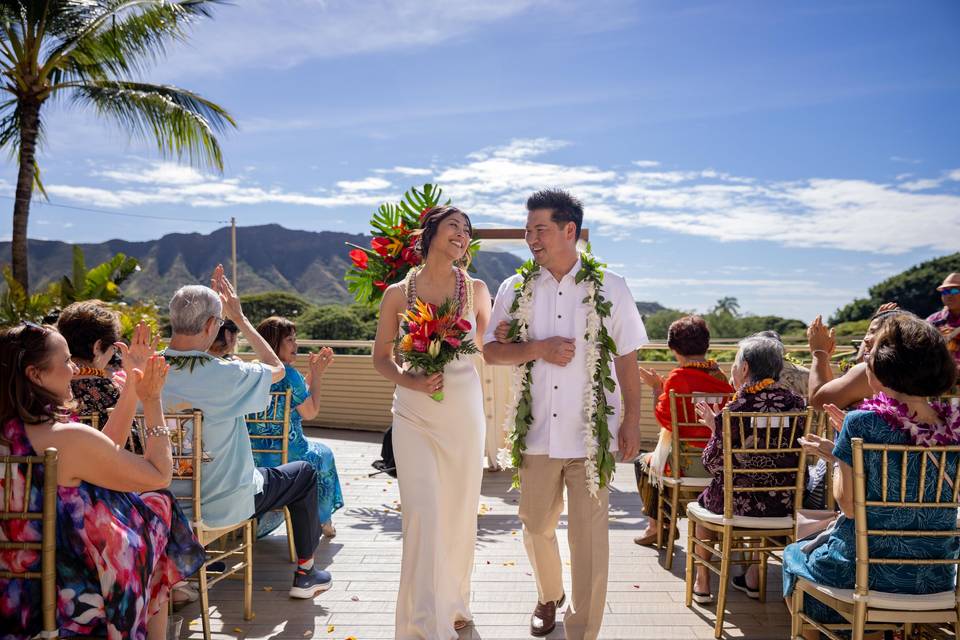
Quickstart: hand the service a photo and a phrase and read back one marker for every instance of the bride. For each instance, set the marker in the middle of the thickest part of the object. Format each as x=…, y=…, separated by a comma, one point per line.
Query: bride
x=438, y=445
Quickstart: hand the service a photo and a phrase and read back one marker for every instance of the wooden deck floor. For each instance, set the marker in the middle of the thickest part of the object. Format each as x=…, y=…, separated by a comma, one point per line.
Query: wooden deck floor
x=643, y=601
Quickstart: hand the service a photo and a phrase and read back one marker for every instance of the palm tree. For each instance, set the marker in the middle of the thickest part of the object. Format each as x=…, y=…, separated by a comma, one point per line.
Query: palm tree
x=728, y=305
x=92, y=53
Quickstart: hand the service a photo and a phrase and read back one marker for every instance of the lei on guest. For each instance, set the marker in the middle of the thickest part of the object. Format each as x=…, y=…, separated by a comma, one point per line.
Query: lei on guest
x=706, y=364
x=598, y=350
x=897, y=415
x=392, y=252
x=754, y=388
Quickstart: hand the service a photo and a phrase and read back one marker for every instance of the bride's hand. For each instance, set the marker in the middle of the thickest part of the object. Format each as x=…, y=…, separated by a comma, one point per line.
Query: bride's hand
x=428, y=384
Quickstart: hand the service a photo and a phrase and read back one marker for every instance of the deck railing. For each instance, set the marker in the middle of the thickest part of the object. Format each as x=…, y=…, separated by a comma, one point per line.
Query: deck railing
x=354, y=396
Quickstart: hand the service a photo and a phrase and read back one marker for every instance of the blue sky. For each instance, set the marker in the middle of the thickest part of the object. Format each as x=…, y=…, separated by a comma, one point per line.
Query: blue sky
x=790, y=154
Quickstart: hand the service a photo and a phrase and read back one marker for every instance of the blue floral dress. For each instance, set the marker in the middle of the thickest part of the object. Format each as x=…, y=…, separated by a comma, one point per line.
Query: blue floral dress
x=118, y=554
x=299, y=448
x=834, y=562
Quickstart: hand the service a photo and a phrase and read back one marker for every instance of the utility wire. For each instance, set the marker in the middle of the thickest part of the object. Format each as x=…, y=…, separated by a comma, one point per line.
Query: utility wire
x=118, y=213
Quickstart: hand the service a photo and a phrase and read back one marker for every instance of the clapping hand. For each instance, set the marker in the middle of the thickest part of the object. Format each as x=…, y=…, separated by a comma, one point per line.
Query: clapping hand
x=817, y=446
x=150, y=379
x=836, y=416
x=651, y=378
x=141, y=348
x=707, y=414
x=319, y=363
x=232, y=309
x=821, y=338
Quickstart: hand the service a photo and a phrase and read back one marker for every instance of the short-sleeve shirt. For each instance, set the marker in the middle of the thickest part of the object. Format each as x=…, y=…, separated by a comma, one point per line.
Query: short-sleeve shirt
x=225, y=391
x=947, y=324
x=559, y=310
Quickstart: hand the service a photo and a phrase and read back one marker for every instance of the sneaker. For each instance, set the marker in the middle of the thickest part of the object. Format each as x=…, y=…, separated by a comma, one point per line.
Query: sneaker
x=740, y=584
x=309, y=582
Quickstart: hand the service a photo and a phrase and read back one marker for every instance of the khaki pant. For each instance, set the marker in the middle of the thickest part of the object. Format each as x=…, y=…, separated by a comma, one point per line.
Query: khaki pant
x=542, y=481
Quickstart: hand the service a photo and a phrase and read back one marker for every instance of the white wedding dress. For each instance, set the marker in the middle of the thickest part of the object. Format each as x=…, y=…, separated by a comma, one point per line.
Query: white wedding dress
x=438, y=447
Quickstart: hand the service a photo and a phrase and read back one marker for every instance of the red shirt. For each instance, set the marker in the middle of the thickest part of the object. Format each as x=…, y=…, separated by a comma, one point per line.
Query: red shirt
x=690, y=380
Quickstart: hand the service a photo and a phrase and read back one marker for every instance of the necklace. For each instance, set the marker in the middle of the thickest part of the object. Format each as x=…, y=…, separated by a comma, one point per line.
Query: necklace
x=707, y=364
x=897, y=414
x=85, y=372
x=754, y=388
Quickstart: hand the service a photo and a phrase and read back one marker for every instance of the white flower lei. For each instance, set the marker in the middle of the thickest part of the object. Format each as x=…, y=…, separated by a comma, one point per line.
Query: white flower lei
x=598, y=347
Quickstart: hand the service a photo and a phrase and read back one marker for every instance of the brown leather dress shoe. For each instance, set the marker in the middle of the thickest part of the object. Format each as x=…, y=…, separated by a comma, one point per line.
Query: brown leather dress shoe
x=544, y=618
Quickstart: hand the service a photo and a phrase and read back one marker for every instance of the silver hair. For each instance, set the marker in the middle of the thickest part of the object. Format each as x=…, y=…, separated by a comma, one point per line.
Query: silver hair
x=763, y=355
x=191, y=307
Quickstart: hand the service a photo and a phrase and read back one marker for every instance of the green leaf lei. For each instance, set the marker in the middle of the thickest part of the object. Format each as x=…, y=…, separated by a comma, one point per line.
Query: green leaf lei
x=596, y=408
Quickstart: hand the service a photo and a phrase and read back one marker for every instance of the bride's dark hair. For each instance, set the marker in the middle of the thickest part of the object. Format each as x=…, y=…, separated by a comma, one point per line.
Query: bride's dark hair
x=430, y=221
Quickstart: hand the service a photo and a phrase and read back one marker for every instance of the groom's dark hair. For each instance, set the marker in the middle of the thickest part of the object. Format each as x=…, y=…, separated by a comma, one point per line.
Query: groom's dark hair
x=565, y=207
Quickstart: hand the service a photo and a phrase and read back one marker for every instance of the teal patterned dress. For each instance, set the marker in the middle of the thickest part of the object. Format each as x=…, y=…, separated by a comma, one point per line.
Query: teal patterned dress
x=834, y=562
x=299, y=448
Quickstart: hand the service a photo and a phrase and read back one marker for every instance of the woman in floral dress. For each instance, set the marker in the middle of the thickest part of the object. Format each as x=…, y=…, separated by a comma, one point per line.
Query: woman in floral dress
x=119, y=552
x=908, y=363
x=756, y=369
x=281, y=335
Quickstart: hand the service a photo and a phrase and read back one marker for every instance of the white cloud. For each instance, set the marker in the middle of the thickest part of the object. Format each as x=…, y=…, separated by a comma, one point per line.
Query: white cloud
x=493, y=184
x=646, y=164
x=904, y=160
x=367, y=184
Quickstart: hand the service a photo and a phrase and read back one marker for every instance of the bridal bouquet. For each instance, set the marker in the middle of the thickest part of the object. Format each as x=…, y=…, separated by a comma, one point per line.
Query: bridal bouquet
x=433, y=337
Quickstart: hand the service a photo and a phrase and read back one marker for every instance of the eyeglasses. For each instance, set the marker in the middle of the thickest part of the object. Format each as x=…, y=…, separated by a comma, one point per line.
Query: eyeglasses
x=220, y=321
x=950, y=292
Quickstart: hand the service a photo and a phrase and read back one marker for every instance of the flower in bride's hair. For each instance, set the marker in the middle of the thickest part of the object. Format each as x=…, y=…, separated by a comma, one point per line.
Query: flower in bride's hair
x=381, y=245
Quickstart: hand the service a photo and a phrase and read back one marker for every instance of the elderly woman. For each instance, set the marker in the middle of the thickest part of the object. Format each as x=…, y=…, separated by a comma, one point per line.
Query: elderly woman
x=756, y=369
x=689, y=339
x=92, y=332
x=225, y=344
x=116, y=527
x=908, y=363
x=281, y=335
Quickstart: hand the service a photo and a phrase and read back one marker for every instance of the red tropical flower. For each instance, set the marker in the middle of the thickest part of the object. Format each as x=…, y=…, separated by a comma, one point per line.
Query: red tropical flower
x=380, y=284
x=381, y=245
x=463, y=324
x=452, y=341
x=359, y=259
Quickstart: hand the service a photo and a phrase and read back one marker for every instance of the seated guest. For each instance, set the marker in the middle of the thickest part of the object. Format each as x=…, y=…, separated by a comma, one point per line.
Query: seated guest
x=794, y=377
x=756, y=369
x=122, y=541
x=689, y=339
x=281, y=335
x=851, y=387
x=947, y=320
x=92, y=332
x=908, y=363
x=232, y=488
x=225, y=344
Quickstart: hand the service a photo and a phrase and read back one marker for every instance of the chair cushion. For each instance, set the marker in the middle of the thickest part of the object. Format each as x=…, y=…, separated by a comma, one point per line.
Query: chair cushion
x=687, y=482
x=694, y=510
x=896, y=601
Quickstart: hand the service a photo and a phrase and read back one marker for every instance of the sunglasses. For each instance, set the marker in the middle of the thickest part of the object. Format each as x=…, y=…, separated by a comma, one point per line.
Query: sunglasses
x=950, y=292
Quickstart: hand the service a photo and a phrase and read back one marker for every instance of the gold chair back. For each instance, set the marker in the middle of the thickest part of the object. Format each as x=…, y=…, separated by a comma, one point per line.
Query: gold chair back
x=10, y=510
x=766, y=434
x=188, y=457
x=276, y=419
x=682, y=417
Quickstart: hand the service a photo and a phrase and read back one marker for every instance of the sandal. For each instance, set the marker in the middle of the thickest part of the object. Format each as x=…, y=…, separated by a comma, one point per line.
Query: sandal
x=702, y=598
x=643, y=541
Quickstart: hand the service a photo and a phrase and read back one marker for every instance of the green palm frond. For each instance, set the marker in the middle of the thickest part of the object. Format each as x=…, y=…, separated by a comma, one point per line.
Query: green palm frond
x=179, y=121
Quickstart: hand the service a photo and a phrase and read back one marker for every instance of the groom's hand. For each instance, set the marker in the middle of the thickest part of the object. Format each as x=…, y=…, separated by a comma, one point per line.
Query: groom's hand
x=628, y=440
x=557, y=350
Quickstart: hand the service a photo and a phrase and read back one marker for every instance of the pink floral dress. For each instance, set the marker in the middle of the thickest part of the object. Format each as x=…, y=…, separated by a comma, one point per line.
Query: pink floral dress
x=118, y=554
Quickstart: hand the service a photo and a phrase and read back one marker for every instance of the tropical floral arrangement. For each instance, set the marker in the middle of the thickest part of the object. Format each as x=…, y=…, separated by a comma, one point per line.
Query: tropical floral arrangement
x=432, y=337
x=392, y=250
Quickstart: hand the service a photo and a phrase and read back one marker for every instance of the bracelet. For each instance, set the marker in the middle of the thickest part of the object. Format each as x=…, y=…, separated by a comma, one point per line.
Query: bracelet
x=823, y=351
x=159, y=430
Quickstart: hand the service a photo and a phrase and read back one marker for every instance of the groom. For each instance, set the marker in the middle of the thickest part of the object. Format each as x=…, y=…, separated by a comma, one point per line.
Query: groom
x=555, y=455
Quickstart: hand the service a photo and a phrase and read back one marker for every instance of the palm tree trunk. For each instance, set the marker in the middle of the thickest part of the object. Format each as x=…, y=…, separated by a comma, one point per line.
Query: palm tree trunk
x=29, y=120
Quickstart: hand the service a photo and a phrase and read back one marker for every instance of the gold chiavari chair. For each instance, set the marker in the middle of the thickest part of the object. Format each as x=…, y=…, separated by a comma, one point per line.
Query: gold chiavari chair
x=275, y=429
x=760, y=434
x=677, y=486
x=937, y=488
x=237, y=555
x=10, y=510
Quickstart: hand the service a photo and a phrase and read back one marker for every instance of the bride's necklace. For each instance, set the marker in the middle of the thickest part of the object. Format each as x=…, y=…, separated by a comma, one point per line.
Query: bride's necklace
x=459, y=289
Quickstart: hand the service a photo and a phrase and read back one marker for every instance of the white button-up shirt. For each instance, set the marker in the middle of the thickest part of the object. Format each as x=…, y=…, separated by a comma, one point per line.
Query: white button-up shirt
x=559, y=310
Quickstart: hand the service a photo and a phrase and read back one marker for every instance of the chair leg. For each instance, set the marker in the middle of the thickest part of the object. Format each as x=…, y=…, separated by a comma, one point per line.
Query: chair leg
x=859, y=620
x=691, y=560
x=661, y=500
x=248, y=571
x=203, y=588
x=796, y=624
x=673, y=524
x=725, y=544
x=290, y=544
x=763, y=571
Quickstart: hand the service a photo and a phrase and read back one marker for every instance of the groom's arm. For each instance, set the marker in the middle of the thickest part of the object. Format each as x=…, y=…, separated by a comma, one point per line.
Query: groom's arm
x=628, y=377
x=513, y=353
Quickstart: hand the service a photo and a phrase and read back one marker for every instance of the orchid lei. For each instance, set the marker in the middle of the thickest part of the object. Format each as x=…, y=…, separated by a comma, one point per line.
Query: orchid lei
x=598, y=349
x=897, y=415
